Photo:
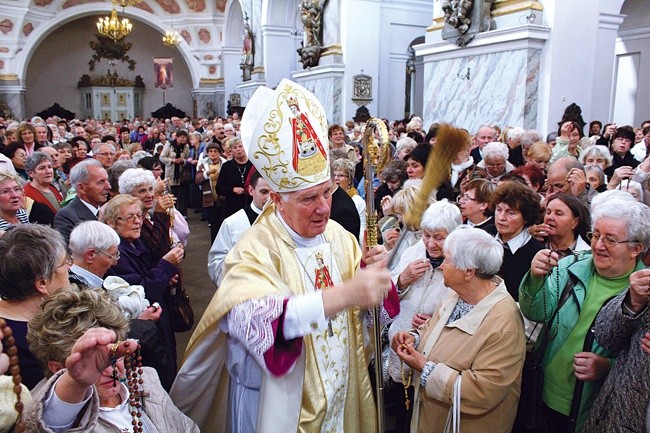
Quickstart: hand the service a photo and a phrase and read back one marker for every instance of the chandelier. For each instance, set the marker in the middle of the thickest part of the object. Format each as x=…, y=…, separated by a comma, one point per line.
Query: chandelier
x=171, y=38
x=113, y=27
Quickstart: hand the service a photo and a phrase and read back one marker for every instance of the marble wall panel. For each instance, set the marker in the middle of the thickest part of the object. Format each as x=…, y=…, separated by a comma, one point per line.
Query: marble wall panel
x=502, y=89
x=329, y=91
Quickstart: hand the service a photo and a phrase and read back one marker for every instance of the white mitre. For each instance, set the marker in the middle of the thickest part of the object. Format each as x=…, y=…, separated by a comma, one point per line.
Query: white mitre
x=284, y=133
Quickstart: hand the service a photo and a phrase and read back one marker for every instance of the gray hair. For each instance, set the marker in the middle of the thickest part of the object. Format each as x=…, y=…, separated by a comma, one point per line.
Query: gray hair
x=598, y=170
x=530, y=136
x=30, y=252
x=36, y=159
x=441, y=215
x=405, y=142
x=635, y=216
x=596, y=151
x=633, y=185
x=472, y=248
x=346, y=166
x=612, y=194
x=92, y=235
x=81, y=172
x=133, y=177
x=515, y=133
x=495, y=149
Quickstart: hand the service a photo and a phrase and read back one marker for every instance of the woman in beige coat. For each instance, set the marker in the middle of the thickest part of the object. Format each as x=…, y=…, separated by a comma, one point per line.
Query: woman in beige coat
x=478, y=334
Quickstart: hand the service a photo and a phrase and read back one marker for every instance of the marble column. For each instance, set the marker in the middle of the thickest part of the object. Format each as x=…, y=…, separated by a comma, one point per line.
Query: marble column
x=12, y=97
x=210, y=101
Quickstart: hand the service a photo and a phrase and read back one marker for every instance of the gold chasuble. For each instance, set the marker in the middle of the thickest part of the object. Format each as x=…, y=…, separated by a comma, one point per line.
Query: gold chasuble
x=266, y=262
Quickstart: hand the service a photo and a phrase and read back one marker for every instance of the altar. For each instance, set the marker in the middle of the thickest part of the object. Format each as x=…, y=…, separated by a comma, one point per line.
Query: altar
x=111, y=97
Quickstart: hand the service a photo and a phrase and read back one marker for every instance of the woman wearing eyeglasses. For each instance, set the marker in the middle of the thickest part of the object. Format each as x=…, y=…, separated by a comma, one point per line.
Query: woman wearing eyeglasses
x=621, y=234
x=34, y=265
x=137, y=263
x=476, y=204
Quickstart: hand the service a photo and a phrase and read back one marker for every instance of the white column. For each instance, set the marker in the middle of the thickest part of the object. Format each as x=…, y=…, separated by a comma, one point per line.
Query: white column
x=230, y=60
x=280, y=54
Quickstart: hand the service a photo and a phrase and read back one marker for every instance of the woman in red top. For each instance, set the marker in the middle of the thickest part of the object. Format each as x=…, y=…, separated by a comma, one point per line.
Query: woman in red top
x=40, y=188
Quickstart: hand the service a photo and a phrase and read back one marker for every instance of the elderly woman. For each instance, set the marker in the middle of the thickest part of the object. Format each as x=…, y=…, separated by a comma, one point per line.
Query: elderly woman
x=207, y=173
x=421, y=288
x=476, y=335
x=137, y=263
x=476, y=204
x=516, y=207
x=596, y=154
x=495, y=161
x=533, y=175
x=393, y=176
x=622, y=328
x=16, y=153
x=343, y=174
x=403, y=147
x=577, y=287
x=34, y=265
x=156, y=223
x=11, y=202
x=89, y=385
x=568, y=141
x=596, y=177
x=40, y=189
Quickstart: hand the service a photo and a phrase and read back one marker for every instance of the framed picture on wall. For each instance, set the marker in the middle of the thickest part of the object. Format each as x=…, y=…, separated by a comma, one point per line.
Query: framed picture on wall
x=105, y=99
x=164, y=74
x=121, y=99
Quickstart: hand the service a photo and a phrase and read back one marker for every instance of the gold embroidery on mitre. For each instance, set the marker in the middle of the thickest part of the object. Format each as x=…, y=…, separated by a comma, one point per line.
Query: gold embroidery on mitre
x=294, y=152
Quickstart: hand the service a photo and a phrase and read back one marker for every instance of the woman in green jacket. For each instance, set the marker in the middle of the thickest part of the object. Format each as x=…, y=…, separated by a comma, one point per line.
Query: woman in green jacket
x=621, y=233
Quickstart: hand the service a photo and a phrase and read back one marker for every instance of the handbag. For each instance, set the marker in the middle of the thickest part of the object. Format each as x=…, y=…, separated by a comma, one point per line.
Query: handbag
x=453, y=417
x=530, y=412
x=186, y=174
x=181, y=309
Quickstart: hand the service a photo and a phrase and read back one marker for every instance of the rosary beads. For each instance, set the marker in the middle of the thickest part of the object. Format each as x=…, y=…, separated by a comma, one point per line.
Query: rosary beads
x=14, y=369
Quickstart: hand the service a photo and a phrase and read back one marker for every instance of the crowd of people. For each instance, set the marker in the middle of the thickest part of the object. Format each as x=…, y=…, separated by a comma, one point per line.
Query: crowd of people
x=531, y=245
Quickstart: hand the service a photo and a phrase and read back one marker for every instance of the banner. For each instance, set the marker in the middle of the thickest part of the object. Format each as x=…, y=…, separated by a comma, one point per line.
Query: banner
x=164, y=75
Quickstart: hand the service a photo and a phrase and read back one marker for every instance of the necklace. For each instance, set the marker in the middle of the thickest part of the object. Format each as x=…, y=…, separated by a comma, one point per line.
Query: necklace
x=14, y=369
x=242, y=173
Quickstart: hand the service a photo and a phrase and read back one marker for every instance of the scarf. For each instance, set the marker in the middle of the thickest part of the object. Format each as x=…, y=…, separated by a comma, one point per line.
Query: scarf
x=435, y=263
x=456, y=170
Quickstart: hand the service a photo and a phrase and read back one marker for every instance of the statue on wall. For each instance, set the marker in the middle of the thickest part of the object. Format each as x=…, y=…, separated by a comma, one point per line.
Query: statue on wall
x=311, y=15
x=457, y=14
x=248, y=52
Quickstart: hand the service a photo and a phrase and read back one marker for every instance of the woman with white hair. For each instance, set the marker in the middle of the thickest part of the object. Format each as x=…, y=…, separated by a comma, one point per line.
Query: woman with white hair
x=404, y=146
x=620, y=235
x=495, y=161
x=421, y=288
x=476, y=337
x=596, y=154
x=156, y=225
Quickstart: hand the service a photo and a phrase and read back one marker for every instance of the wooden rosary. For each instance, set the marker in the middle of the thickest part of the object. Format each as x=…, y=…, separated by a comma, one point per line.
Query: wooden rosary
x=14, y=369
x=133, y=364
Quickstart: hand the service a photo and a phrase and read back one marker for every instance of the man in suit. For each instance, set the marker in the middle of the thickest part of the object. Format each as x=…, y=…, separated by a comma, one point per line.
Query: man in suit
x=484, y=135
x=90, y=180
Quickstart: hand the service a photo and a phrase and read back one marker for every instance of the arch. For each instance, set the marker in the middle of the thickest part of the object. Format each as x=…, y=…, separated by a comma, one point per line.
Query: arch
x=234, y=24
x=279, y=12
x=46, y=28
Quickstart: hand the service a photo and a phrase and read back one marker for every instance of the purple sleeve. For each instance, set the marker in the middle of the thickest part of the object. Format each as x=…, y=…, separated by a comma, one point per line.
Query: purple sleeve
x=282, y=355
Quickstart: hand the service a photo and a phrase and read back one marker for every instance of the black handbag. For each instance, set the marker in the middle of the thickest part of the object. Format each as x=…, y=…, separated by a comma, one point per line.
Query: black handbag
x=530, y=412
x=181, y=309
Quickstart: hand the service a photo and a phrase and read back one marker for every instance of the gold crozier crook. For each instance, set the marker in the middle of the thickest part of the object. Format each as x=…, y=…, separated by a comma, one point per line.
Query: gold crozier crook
x=374, y=159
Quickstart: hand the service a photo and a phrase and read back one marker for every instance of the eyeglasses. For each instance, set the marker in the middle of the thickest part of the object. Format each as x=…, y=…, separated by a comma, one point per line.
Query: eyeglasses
x=114, y=257
x=131, y=218
x=608, y=241
x=66, y=262
x=464, y=197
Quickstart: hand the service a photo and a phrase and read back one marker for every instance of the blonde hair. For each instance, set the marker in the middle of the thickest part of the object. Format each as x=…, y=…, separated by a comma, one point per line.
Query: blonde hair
x=65, y=316
x=115, y=205
x=404, y=200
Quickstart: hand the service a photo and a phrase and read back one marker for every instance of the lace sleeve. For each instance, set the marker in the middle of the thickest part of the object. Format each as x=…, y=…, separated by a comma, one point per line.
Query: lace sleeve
x=251, y=323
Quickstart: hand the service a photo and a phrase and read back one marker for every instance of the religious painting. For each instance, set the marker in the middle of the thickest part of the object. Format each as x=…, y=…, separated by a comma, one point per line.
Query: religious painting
x=164, y=77
x=105, y=99
x=121, y=99
x=309, y=155
x=123, y=114
x=106, y=115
